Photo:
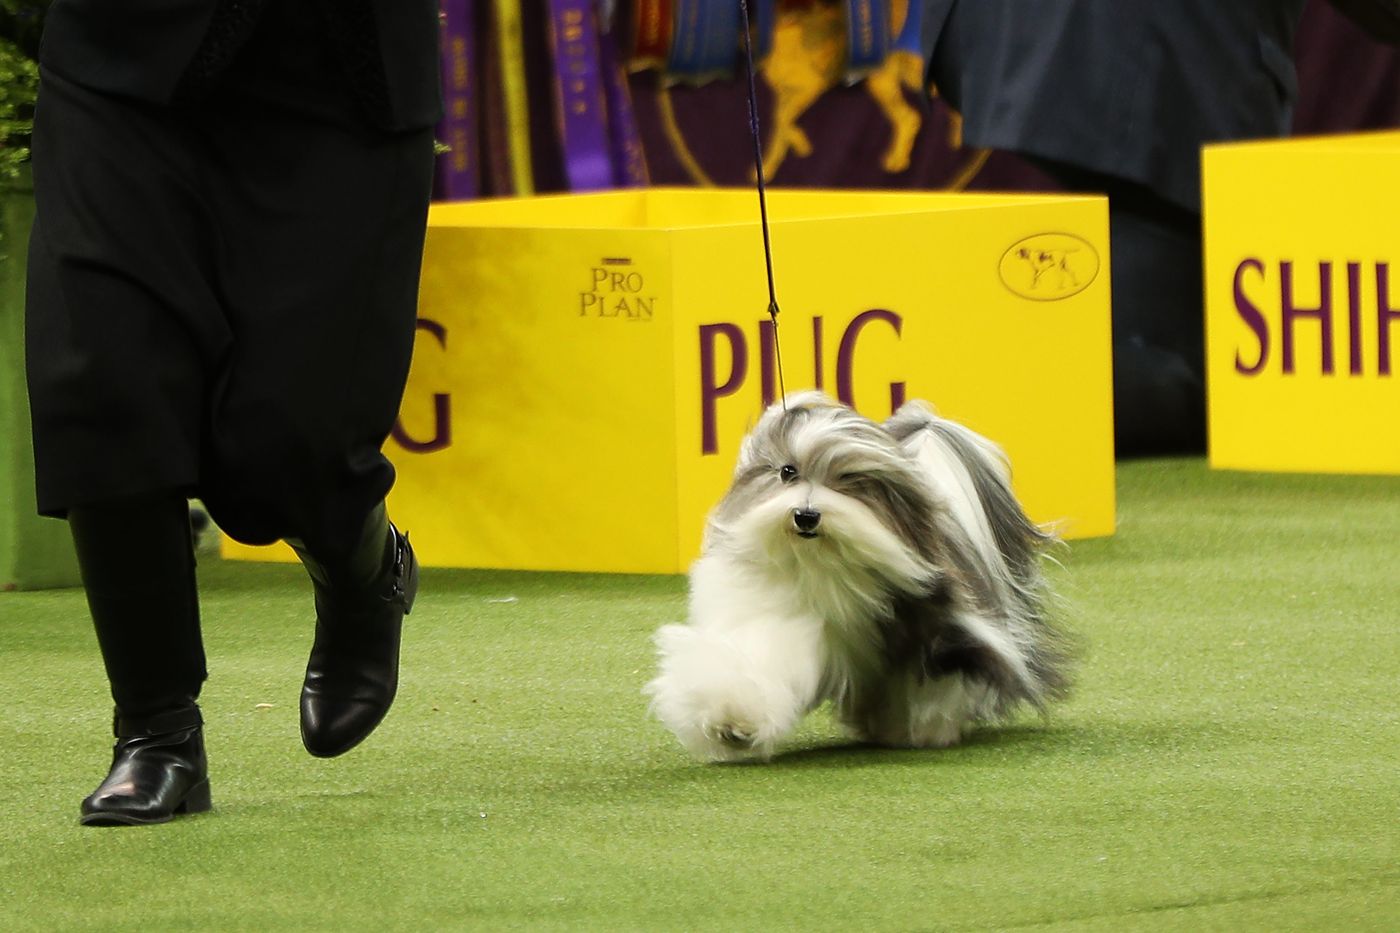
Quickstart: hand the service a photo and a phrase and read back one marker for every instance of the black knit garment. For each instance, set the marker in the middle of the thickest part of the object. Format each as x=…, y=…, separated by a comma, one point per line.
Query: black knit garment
x=355, y=36
x=229, y=28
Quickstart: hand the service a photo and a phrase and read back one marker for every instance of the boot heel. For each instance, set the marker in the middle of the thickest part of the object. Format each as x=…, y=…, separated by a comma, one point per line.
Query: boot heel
x=197, y=800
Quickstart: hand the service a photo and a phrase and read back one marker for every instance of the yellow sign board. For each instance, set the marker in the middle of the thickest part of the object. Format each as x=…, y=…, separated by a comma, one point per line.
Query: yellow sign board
x=588, y=364
x=1302, y=295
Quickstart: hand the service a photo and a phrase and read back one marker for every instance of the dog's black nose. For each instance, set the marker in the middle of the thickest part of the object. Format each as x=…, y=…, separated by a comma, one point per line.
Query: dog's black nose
x=806, y=520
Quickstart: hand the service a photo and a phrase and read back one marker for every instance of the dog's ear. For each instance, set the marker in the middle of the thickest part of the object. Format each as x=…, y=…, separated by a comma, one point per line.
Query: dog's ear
x=1018, y=539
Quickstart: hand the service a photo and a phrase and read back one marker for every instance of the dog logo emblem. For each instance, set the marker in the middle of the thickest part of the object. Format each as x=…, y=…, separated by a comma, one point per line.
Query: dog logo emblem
x=1049, y=266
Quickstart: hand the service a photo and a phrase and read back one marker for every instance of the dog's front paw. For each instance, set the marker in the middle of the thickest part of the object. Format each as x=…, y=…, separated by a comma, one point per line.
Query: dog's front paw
x=719, y=703
x=716, y=729
x=738, y=736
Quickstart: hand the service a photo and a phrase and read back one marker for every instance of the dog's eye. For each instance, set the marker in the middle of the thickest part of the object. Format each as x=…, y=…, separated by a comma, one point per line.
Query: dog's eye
x=787, y=473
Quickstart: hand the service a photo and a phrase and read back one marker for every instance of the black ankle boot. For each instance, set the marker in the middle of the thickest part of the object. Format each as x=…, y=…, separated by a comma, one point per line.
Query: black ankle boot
x=138, y=571
x=158, y=772
x=353, y=673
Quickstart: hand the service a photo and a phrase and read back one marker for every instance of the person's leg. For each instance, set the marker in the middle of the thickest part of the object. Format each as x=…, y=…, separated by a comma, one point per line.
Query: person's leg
x=362, y=596
x=119, y=326
x=1158, y=316
x=137, y=564
x=1159, y=395
x=321, y=270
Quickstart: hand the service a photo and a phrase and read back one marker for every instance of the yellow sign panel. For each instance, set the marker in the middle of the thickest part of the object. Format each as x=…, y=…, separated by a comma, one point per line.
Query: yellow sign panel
x=1302, y=354
x=587, y=365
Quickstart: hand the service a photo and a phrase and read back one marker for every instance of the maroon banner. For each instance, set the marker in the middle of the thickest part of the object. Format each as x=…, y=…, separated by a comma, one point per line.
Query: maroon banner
x=823, y=133
x=884, y=132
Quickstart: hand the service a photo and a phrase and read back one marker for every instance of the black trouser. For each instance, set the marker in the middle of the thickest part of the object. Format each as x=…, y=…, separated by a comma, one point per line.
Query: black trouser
x=221, y=301
x=138, y=570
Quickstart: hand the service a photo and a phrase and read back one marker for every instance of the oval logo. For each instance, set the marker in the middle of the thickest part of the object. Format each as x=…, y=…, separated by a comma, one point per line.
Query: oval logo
x=1049, y=266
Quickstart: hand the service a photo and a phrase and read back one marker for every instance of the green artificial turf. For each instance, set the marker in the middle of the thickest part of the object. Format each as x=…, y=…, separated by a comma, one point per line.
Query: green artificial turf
x=1230, y=760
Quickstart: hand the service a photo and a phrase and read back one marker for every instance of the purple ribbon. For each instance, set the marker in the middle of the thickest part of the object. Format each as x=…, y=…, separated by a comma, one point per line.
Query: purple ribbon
x=579, y=96
x=628, y=158
x=458, y=170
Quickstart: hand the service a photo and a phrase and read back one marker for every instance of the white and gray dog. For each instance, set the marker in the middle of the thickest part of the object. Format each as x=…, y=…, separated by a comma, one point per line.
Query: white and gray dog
x=886, y=568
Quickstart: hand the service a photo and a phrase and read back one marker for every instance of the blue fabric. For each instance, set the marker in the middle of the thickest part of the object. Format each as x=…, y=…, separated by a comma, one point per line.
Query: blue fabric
x=1130, y=88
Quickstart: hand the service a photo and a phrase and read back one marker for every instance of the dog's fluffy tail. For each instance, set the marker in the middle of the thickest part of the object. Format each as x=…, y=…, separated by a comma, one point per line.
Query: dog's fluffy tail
x=973, y=476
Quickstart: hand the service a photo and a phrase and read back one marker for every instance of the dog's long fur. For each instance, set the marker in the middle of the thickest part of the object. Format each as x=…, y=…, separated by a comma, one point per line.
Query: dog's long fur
x=887, y=569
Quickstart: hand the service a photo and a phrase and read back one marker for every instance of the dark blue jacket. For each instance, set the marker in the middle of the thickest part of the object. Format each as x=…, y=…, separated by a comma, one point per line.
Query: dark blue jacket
x=1130, y=88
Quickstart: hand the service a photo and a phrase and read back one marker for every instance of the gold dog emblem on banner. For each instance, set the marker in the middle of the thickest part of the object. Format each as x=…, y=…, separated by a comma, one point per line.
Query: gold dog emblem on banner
x=808, y=59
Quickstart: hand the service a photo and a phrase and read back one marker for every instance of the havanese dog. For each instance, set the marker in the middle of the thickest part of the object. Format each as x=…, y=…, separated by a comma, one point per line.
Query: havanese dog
x=885, y=568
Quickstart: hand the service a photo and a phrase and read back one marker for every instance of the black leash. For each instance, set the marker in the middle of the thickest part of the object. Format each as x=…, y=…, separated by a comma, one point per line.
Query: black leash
x=762, y=195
